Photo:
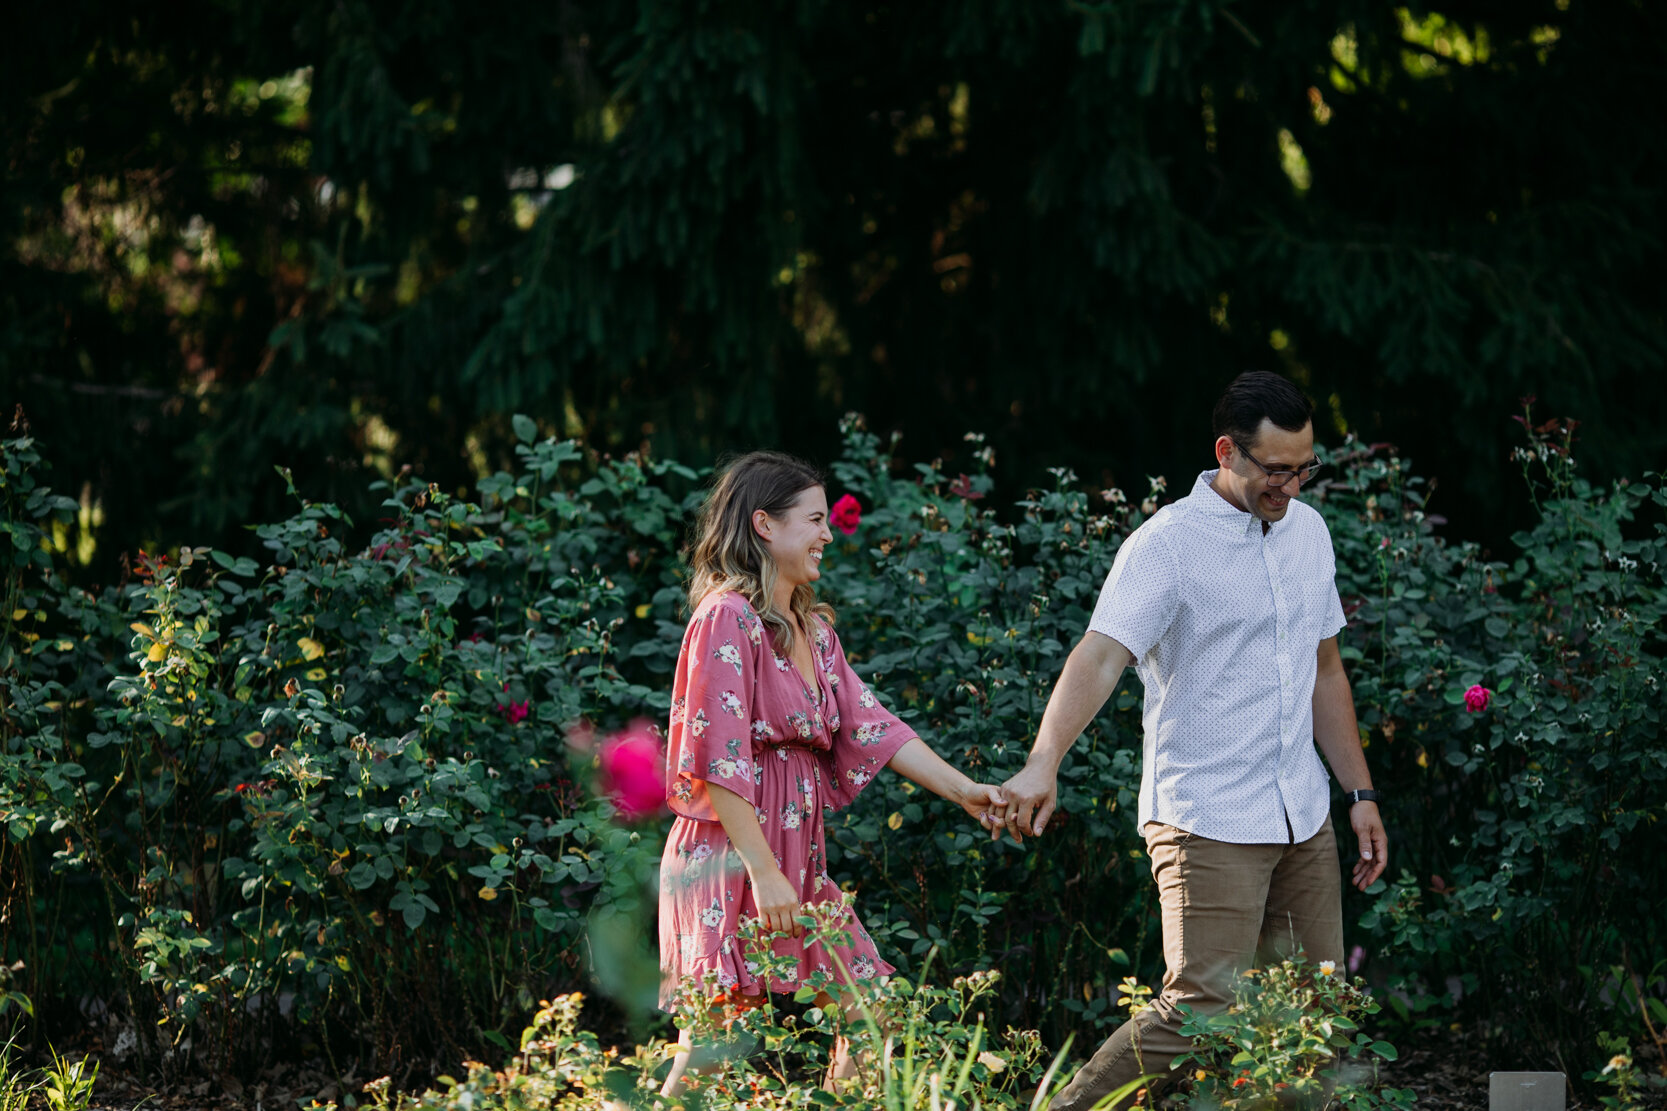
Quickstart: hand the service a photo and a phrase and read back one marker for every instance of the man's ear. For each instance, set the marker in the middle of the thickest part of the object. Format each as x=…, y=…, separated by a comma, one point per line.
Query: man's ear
x=1224, y=450
x=762, y=525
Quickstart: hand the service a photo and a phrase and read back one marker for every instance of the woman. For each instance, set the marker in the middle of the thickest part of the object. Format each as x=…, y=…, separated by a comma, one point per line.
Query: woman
x=769, y=726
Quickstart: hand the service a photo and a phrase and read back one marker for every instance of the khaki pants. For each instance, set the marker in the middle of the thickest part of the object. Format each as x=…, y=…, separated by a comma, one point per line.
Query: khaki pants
x=1225, y=906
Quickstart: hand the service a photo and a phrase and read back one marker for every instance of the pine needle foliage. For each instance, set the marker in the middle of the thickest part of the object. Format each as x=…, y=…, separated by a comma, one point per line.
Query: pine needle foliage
x=349, y=236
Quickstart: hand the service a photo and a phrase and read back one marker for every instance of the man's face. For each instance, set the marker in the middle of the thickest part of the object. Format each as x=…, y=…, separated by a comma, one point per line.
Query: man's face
x=1246, y=485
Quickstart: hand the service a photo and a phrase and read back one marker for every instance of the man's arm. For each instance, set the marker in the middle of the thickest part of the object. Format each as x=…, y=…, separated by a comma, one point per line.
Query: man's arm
x=1090, y=675
x=1338, y=735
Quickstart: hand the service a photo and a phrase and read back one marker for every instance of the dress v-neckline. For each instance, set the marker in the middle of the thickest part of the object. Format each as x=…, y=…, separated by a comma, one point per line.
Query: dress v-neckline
x=812, y=684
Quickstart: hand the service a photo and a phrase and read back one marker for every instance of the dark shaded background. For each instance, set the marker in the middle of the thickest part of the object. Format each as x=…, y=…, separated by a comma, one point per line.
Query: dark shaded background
x=345, y=237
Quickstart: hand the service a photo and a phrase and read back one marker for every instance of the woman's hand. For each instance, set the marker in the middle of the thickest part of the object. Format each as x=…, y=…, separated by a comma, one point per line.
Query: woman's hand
x=985, y=802
x=777, y=899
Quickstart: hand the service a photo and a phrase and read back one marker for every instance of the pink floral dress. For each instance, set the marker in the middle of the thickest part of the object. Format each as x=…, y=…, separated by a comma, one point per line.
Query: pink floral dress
x=743, y=717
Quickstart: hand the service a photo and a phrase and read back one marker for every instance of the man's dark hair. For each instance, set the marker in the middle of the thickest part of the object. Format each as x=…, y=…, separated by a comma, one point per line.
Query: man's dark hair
x=1256, y=394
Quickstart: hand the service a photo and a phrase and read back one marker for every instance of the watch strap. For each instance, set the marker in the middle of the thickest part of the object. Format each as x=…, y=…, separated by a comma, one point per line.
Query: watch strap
x=1363, y=795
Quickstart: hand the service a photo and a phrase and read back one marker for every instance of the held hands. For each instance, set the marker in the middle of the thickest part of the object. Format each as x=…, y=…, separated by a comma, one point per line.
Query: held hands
x=1374, y=844
x=985, y=802
x=1032, y=797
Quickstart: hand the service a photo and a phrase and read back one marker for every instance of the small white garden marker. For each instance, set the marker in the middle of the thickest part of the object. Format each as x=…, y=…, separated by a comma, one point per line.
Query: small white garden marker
x=1527, y=1091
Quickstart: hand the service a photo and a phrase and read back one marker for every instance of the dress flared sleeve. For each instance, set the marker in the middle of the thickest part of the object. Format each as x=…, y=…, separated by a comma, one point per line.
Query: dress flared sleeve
x=713, y=690
x=865, y=734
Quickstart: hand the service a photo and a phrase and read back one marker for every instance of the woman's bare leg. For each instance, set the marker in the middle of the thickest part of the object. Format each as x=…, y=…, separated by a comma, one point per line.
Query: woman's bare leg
x=679, y=1064
x=845, y=1063
x=688, y=1060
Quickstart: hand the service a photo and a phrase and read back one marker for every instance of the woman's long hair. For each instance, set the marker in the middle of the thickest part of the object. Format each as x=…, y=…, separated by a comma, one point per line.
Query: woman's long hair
x=729, y=555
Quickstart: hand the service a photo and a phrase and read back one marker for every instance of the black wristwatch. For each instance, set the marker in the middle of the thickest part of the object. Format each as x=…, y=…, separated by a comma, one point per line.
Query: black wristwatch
x=1363, y=796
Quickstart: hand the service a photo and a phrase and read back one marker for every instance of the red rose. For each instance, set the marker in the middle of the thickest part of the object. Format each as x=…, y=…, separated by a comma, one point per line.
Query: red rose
x=846, y=514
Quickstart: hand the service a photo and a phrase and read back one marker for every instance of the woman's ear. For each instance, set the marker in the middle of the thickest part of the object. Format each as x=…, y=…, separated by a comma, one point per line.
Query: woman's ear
x=761, y=524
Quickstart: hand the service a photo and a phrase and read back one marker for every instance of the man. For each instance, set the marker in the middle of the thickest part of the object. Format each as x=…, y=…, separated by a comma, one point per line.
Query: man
x=1226, y=601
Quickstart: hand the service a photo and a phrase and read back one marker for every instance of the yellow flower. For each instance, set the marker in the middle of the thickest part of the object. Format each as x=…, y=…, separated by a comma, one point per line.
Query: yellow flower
x=1327, y=967
x=991, y=1061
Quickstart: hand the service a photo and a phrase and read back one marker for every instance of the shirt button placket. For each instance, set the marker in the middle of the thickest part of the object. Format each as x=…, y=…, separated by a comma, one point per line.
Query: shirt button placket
x=1282, y=667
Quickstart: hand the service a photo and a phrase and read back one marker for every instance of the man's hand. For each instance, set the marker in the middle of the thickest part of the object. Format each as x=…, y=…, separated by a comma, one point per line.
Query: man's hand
x=1374, y=843
x=1032, y=796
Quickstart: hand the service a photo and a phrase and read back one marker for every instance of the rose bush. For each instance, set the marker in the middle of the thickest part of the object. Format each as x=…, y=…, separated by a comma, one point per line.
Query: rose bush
x=334, y=784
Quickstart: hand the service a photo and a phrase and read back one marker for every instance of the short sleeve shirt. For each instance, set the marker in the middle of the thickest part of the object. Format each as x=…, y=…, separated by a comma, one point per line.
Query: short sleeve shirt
x=1224, y=622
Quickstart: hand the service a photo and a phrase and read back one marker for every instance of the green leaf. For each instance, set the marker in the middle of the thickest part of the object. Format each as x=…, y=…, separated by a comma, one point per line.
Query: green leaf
x=1385, y=1050
x=526, y=429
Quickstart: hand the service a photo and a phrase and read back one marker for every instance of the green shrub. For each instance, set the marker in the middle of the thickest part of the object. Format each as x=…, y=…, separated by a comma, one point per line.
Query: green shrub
x=337, y=779
x=330, y=792
x=1292, y=1039
x=917, y=1046
x=1528, y=833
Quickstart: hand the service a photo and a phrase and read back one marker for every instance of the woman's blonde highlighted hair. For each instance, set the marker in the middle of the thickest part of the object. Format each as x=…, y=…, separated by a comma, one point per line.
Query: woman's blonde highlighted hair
x=728, y=554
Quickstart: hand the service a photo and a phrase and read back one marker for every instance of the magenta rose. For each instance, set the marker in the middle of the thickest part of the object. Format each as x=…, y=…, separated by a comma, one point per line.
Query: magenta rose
x=633, y=771
x=845, y=514
x=1476, y=699
x=513, y=712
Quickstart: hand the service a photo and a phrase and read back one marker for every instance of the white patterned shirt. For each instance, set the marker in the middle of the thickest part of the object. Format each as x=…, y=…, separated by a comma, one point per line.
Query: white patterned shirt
x=1223, y=622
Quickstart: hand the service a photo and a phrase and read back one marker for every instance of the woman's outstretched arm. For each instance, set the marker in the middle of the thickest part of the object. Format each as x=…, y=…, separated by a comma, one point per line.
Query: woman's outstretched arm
x=916, y=761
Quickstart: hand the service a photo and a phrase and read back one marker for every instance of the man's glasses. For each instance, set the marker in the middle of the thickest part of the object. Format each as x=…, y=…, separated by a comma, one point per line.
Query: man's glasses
x=1283, y=478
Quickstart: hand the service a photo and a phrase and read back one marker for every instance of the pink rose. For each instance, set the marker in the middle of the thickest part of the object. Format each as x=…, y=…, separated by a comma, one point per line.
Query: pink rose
x=846, y=514
x=633, y=771
x=1476, y=699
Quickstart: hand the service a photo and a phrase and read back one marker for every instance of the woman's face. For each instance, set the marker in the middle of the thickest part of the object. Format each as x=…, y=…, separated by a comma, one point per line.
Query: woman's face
x=797, y=537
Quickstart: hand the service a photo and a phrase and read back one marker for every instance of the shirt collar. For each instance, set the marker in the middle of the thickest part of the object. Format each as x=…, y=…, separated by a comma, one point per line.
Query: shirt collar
x=1217, y=511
